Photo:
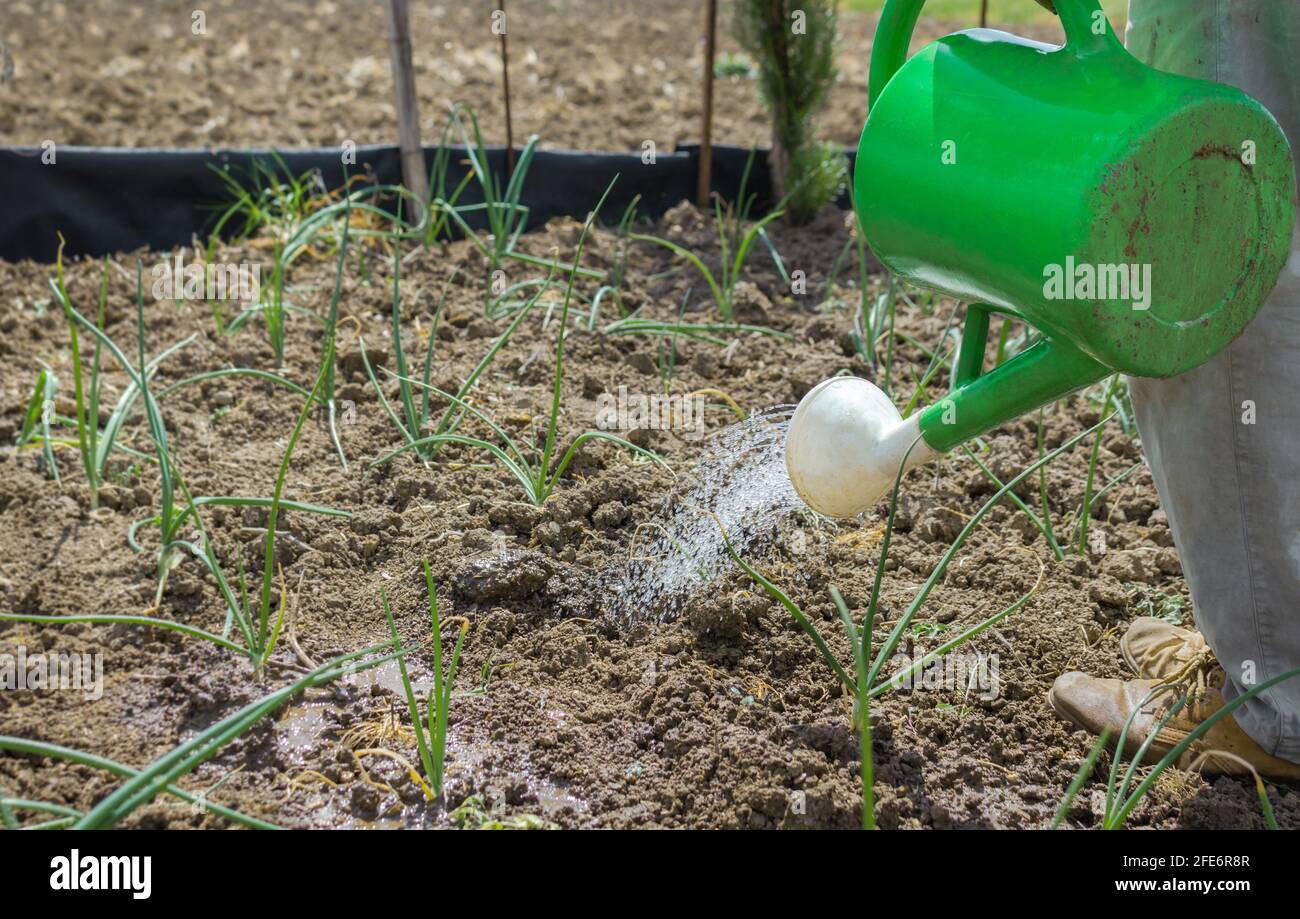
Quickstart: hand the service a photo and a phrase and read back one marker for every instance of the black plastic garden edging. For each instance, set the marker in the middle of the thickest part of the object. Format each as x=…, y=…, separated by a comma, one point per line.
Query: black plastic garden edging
x=107, y=199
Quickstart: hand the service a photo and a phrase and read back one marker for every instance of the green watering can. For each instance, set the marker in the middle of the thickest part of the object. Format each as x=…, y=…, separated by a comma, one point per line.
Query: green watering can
x=1135, y=218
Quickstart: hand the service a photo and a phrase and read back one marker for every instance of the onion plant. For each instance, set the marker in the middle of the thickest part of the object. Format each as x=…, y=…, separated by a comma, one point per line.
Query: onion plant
x=87, y=433
x=356, y=214
x=867, y=683
x=865, y=323
x=860, y=644
x=513, y=297
x=258, y=630
x=267, y=196
x=299, y=213
x=35, y=428
x=254, y=620
x=610, y=287
x=707, y=332
x=881, y=317
x=1085, y=770
x=95, y=445
x=431, y=730
x=160, y=776
x=412, y=421
x=1077, y=538
x=502, y=208
x=441, y=202
x=537, y=479
x=1042, y=520
x=618, y=264
x=172, y=514
x=1085, y=509
x=734, y=244
x=1044, y=523
x=66, y=816
x=338, y=217
x=905, y=620
x=612, y=283
x=1049, y=532
x=274, y=310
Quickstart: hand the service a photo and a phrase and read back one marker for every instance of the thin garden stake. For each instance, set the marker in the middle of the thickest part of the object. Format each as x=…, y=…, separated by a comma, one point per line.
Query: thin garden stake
x=706, y=130
x=414, y=176
x=505, y=92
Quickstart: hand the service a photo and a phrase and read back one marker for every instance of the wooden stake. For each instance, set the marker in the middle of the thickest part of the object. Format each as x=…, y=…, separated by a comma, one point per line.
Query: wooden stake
x=408, y=116
x=505, y=88
x=706, y=131
x=984, y=14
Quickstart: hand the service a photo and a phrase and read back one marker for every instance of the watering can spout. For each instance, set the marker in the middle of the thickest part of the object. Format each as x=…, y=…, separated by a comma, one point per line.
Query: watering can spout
x=845, y=445
x=847, y=441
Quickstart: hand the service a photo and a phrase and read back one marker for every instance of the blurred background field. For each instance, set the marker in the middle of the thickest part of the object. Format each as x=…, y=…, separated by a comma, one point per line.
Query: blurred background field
x=585, y=74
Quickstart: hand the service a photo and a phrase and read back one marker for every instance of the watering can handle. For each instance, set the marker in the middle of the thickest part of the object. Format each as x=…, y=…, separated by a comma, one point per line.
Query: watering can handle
x=1079, y=18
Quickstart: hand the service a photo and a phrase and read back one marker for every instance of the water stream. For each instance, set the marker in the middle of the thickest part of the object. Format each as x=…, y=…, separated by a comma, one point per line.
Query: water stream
x=741, y=478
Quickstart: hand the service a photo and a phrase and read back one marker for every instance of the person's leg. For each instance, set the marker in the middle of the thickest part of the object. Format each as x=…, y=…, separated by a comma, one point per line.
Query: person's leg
x=1223, y=441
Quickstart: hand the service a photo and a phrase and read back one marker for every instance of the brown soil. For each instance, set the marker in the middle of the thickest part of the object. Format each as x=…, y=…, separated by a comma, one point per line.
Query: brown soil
x=715, y=719
x=299, y=73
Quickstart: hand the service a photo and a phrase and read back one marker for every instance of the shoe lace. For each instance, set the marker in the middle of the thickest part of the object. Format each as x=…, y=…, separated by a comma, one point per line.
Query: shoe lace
x=1199, y=671
x=1199, y=668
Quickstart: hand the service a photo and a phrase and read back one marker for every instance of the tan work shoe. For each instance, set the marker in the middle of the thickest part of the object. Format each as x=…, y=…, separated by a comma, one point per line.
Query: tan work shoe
x=1096, y=704
x=1159, y=650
